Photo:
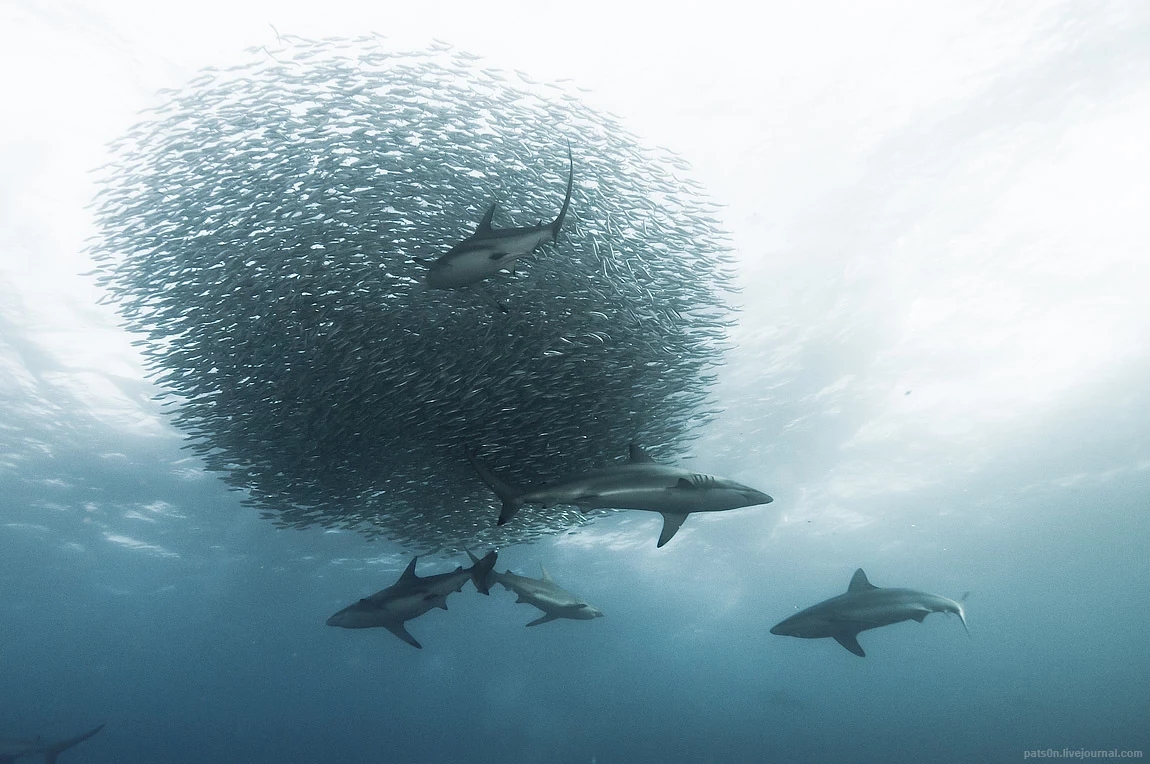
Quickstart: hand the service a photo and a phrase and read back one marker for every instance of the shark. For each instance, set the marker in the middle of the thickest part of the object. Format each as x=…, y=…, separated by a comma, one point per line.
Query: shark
x=639, y=483
x=412, y=596
x=10, y=750
x=490, y=250
x=865, y=606
x=543, y=593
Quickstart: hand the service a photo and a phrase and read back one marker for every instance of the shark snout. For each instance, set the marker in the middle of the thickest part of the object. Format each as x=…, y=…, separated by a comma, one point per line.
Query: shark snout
x=784, y=628
x=756, y=497
x=342, y=619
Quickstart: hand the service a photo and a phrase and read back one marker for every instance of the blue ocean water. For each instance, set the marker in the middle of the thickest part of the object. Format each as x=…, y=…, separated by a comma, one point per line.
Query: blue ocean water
x=940, y=375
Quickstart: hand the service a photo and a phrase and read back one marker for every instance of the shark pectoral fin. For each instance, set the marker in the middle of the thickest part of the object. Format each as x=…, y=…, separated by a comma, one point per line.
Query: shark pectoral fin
x=544, y=619
x=850, y=642
x=480, y=291
x=921, y=615
x=399, y=630
x=672, y=521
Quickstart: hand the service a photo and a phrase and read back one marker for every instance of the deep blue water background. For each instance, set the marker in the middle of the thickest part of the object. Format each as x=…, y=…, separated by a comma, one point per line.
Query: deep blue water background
x=941, y=377
x=212, y=646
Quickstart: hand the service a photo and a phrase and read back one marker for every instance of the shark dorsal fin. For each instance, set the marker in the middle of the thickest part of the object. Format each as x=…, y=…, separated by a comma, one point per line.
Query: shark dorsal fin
x=638, y=455
x=484, y=226
x=409, y=571
x=859, y=582
x=546, y=575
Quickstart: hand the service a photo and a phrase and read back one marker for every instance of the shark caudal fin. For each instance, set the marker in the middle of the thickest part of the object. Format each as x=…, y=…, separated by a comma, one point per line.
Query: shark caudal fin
x=566, y=199
x=480, y=570
x=512, y=498
x=54, y=750
x=962, y=612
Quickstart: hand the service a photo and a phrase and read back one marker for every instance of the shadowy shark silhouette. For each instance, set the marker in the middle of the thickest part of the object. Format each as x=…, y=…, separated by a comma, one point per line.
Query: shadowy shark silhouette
x=10, y=750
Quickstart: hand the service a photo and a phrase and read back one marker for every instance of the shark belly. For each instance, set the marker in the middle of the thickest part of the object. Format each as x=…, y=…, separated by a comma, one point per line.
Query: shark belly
x=872, y=615
x=411, y=606
x=479, y=259
x=547, y=600
x=660, y=496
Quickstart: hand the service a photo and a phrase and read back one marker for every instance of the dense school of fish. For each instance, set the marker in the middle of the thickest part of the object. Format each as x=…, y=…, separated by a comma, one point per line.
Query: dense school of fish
x=267, y=231
x=313, y=245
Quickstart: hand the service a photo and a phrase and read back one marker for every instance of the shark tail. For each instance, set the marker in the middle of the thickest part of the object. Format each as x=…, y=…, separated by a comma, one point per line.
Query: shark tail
x=481, y=570
x=566, y=199
x=962, y=613
x=54, y=750
x=512, y=498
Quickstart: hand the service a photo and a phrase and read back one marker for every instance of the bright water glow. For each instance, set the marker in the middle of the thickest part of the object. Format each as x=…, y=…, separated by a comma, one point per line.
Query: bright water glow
x=941, y=375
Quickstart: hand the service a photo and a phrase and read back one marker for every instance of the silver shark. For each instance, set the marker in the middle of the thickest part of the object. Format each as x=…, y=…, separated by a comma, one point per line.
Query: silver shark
x=639, y=483
x=412, y=596
x=490, y=250
x=555, y=601
x=865, y=606
x=10, y=750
